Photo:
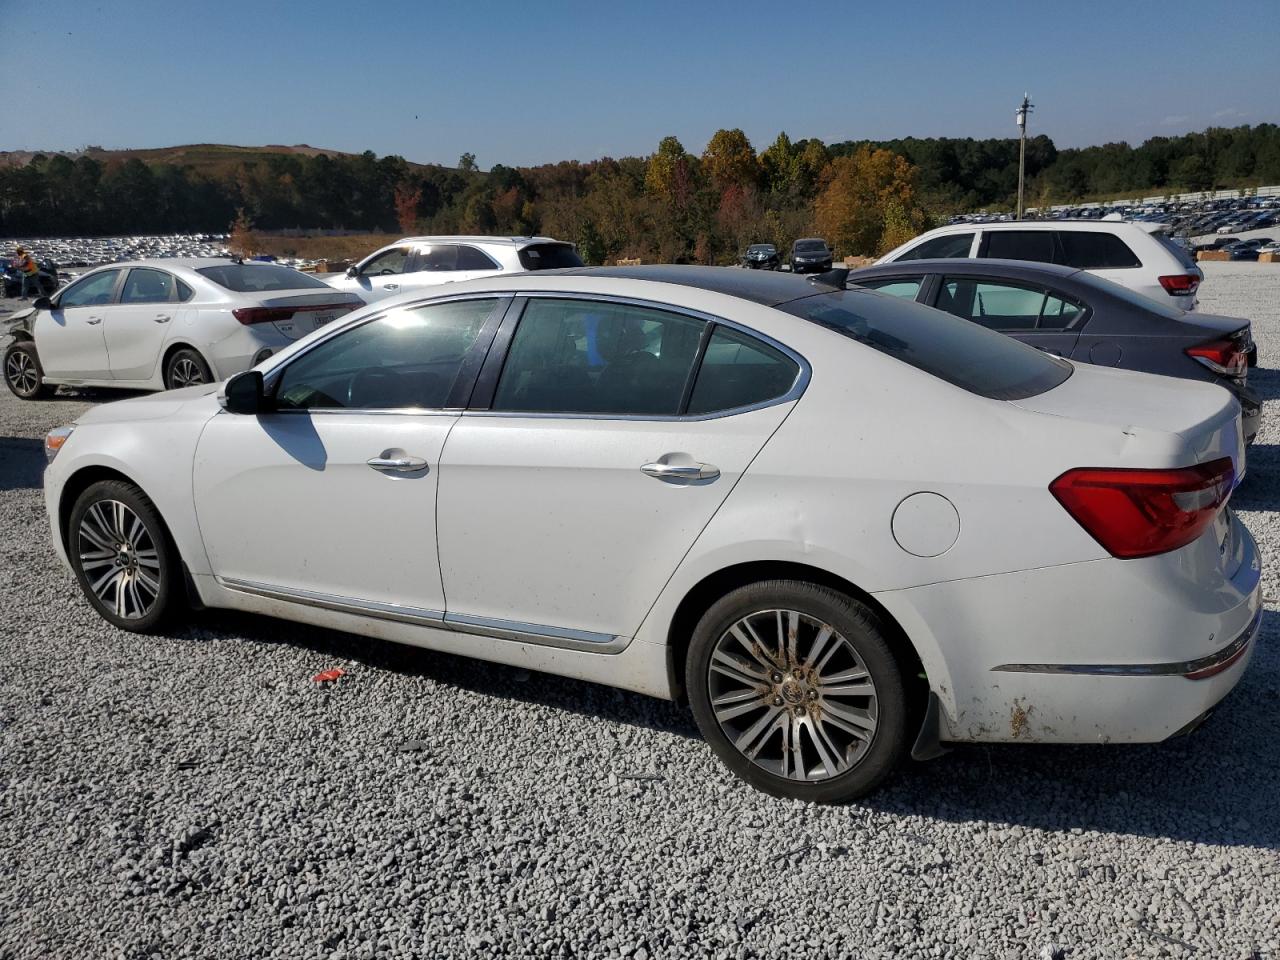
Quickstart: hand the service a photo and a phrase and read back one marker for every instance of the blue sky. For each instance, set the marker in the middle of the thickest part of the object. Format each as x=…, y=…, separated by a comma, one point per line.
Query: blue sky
x=540, y=80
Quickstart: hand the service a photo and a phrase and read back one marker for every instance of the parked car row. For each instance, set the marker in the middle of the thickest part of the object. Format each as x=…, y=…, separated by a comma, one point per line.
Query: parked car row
x=845, y=526
x=808, y=255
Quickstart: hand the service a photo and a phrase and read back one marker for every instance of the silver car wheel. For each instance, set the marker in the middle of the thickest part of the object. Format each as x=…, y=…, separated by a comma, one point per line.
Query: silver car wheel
x=185, y=373
x=792, y=695
x=119, y=559
x=21, y=372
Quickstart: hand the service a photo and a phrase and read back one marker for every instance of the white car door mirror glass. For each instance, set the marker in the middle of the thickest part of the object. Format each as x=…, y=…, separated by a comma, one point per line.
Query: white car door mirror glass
x=408, y=358
x=244, y=393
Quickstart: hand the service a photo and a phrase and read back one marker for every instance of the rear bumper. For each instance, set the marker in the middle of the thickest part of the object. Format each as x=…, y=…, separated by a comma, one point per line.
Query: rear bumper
x=1125, y=651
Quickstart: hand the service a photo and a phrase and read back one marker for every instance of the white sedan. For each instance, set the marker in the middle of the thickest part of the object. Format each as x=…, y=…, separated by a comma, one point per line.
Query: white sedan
x=161, y=324
x=843, y=526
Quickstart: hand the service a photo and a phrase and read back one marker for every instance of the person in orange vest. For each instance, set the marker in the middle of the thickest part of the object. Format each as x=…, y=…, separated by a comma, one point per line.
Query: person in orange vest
x=23, y=263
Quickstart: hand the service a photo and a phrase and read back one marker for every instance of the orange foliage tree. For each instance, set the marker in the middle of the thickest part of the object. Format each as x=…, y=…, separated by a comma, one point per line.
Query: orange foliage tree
x=863, y=194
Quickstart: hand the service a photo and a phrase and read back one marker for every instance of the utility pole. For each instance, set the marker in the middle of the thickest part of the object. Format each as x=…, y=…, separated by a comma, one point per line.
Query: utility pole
x=1023, y=109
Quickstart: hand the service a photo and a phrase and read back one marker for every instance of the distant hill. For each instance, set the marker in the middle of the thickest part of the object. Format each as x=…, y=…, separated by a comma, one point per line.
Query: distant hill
x=203, y=157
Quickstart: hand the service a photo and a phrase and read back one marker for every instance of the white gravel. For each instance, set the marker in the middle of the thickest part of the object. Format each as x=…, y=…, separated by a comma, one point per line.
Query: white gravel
x=196, y=795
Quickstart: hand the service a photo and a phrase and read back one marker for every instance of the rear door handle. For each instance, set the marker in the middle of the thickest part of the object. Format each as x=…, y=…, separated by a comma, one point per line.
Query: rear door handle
x=94, y=320
x=681, y=471
x=397, y=464
x=391, y=286
x=162, y=318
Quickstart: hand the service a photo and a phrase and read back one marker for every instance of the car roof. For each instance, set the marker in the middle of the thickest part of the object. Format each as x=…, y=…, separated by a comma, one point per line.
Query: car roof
x=758, y=286
x=1023, y=269
x=189, y=263
x=475, y=238
x=1093, y=226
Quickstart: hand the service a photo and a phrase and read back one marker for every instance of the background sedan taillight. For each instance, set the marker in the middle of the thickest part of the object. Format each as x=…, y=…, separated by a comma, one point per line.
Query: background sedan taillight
x=1180, y=284
x=1225, y=357
x=1140, y=513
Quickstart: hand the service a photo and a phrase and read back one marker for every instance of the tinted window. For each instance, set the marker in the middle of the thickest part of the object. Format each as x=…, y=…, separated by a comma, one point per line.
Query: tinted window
x=810, y=246
x=1058, y=314
x=995, y=305
x=737, y=371
x=387, y=263
x=1034, y=245
x=469, y=258
x=147, y=286
x=185, y=293
x=1183, y=255
x=1096, y=251
x=907, y=289
x=950, y=246
x=409, y=358
x=261, y=278
x=437, y=257
x=92, y=291
x=579, y=356
x=961, y=353
x=549, y=256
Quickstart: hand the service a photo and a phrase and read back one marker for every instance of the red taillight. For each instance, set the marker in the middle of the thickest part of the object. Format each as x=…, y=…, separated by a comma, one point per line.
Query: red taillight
x=248, y=315
x=1139, y=513
x=1224, y=357
x=1180, y=284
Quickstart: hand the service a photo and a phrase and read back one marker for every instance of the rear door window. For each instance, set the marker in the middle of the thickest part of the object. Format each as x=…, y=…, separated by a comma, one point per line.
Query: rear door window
x=908, y=288
x=469, y=258
x=1096, y=251
x=1007, y=307
x=144, y=285
x=950, y=246
x=965, y=354
x=437, y=257
x=1034, y=245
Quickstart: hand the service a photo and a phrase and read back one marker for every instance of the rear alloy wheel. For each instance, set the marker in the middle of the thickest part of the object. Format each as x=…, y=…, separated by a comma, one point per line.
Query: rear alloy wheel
x=122, y=556
x=186, y=368
x=797, y=691
x=23, y=373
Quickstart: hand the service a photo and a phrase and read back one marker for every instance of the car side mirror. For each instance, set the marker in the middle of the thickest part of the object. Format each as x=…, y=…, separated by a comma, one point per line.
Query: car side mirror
x=244, y=393
x=42, y=303
x=352, y=272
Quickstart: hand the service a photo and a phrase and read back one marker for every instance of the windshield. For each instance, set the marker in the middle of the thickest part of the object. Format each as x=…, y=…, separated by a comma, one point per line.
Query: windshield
x=260, y=278
x=957, y=351
x=810, y=246
x=760, y=248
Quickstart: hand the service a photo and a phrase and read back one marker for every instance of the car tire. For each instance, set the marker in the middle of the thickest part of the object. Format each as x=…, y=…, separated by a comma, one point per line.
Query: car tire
x=23, y=372
x=123, y=557
x=840, y=702
x=186, y=368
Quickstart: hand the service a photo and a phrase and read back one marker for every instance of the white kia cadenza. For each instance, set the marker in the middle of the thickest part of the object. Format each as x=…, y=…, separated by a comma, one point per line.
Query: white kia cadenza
x=843, y=526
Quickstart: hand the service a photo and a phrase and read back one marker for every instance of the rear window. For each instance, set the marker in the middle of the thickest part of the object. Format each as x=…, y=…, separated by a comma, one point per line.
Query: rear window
x=981, y=361
x=260, y=278
x=549, y=256
x=1180, y=253
x=1096, y=251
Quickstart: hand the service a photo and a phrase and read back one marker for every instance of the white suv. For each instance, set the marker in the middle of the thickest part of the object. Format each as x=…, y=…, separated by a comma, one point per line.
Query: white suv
x=1141, y=257
x=416, y=262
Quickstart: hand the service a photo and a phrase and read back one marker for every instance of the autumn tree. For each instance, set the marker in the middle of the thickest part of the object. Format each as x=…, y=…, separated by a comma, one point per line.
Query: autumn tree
x=407, y=198
x=729, y=160
x=778, y=165
x=243, y=240
x=669, y=176
x=860, y=195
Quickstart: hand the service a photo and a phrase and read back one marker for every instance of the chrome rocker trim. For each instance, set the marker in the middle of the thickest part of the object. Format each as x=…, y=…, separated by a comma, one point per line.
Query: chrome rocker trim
x=546, y=636
x=1206, y=666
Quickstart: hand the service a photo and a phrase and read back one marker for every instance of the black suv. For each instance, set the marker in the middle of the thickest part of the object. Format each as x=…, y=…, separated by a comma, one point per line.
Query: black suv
x=762, y=256
x=811, y=255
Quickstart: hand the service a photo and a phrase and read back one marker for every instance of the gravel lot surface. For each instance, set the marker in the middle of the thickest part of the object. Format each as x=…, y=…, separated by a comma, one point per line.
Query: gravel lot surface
x=197, y=795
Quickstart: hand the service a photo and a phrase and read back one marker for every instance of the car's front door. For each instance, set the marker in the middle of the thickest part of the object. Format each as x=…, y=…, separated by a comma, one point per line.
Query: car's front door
x=382, y=274
x=608, y=440
x=330, y=499
x=70, y=337
x=137, y=327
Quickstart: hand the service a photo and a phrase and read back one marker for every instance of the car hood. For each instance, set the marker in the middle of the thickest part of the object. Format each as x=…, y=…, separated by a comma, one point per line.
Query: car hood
x=152, y=406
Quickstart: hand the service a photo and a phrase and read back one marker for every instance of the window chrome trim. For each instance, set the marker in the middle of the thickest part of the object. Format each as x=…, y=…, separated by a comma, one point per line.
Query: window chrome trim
x=797, y=389
x=547, y=636
x=1180, y=668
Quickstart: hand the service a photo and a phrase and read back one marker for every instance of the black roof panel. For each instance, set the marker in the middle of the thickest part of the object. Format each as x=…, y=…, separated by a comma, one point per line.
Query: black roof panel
x=759, y=286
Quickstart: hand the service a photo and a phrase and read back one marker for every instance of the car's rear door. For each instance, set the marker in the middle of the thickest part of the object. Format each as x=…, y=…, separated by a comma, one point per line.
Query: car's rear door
x=601, y=441
x=330, y=498
x=69, y=337
x=137, y=327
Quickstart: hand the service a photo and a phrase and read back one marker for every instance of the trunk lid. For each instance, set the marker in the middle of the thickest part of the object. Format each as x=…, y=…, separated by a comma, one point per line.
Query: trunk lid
x=297, y=314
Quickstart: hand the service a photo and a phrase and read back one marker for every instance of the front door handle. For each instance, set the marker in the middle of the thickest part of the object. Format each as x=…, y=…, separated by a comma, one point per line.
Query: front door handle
x=94, y=320
x=397, y=464
x=681, y=471
x=391, y=286
x=162, y=318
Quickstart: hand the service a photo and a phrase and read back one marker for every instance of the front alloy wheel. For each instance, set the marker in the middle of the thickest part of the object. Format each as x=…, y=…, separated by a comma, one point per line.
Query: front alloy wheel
x=122, y=555
x=22, y=371
x=796, y=689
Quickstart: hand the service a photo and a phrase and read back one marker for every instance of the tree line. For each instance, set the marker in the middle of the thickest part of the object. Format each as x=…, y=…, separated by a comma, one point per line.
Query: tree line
x=673, y=205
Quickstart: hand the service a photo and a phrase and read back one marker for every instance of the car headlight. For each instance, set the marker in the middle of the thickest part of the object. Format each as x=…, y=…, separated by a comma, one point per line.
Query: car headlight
x=54, y=439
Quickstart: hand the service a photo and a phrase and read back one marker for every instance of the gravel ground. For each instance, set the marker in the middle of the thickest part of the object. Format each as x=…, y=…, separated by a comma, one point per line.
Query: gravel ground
x=197, y=795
